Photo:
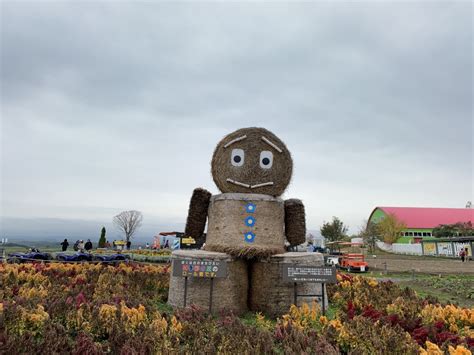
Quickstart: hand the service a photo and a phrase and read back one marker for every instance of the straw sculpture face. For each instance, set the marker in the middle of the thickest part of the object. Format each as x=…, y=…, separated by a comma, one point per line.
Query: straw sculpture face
x=252, y=160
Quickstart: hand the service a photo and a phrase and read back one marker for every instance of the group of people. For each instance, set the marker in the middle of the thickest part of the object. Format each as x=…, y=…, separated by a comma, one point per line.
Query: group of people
x=79, y=245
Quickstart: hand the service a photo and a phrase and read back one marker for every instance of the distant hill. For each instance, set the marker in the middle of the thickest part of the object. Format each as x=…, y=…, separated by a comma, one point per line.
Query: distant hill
x=53, y=230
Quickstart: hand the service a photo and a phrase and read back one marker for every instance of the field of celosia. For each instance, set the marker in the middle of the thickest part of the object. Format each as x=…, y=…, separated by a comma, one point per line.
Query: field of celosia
x=94, y=309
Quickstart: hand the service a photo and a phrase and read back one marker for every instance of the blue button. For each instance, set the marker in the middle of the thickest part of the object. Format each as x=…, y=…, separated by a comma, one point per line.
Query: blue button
x=250, y=208
x=249, y=237
x=250, y=221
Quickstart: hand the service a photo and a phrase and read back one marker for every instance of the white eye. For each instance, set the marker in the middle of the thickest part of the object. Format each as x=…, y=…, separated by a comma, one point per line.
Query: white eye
x=237, y=158
x=266, y=159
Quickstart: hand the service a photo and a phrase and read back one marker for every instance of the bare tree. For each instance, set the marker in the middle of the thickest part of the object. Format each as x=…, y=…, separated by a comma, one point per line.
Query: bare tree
x=128, y=222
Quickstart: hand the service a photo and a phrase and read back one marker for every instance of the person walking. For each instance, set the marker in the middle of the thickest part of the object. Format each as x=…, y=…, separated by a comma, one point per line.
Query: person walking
x=65, y=244
x=88, y=245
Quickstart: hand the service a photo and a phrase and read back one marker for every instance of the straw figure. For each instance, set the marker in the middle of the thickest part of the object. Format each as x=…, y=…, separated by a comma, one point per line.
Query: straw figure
x=252, y=167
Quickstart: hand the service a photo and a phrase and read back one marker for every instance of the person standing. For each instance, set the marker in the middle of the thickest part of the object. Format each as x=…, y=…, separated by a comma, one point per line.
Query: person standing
x=129, y=243
x=80, y=246
x=462, y=254
x=65, y=244
x=88, y=245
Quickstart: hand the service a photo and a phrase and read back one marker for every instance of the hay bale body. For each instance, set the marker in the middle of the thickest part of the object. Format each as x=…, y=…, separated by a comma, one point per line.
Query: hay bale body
x=229, y=293
x=270, y=294
x=228, y=225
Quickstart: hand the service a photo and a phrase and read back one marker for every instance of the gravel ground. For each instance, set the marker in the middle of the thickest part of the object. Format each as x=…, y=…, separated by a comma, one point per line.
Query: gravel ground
x=430, y=265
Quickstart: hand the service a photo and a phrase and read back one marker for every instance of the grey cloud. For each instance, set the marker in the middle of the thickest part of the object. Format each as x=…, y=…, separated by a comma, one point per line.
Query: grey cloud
x=118, y=104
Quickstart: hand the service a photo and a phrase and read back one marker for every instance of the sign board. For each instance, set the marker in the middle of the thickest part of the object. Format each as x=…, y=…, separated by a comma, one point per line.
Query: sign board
x=176, y=244
x=308, y=273
x=199, y=268
x=188, y=240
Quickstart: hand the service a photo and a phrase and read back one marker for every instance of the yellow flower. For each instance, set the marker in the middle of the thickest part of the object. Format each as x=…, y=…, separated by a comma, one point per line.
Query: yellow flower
x=132, y=317
x=262, y=322
x=460, y=350
x=108, y=316
x=335, y=323
x=175, y=325
x=159, y=324
x=372, y=282
x=433, y=349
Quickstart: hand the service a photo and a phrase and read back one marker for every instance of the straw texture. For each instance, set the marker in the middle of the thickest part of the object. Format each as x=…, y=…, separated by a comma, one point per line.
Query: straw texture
x=251, y=172
x=197, y=213
x=295, y=222
x=269, y=294
x=227, y=225
x=228, y=293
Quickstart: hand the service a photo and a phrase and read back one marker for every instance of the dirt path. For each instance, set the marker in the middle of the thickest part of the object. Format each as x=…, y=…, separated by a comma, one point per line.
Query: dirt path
x=401, y=263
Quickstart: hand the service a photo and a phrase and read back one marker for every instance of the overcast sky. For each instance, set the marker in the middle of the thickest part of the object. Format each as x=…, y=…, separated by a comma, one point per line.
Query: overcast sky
x=113, y=106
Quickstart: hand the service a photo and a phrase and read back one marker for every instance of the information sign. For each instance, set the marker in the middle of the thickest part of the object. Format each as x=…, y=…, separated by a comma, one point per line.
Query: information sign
x=308, y=273
x=199, y=268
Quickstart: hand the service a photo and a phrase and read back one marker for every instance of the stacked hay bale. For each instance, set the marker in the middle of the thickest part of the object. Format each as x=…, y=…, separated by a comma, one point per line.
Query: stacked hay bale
x=270, y=294
x=230, y=219
x=248, y=222
x=228, y=293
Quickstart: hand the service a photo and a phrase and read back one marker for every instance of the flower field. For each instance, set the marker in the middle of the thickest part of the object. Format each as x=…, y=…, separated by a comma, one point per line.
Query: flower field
x=95, y=309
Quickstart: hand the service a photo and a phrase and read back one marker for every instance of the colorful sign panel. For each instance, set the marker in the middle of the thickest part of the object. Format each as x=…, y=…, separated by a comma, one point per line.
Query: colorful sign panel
x=429, y=248
x=199, y=268
x=445, y=248
x=307, y=273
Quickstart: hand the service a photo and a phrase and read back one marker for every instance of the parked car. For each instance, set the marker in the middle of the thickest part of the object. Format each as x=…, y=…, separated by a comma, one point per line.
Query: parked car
x=349, y=256
x=33, y=255
x=354, y=263
x=79, y=256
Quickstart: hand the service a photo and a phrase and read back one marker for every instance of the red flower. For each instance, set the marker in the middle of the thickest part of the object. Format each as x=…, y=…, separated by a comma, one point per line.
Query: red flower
x=80, y=299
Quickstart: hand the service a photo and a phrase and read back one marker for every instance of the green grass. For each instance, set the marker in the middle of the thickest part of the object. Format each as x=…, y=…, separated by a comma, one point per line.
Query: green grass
x=456, y=289
x=164, y=308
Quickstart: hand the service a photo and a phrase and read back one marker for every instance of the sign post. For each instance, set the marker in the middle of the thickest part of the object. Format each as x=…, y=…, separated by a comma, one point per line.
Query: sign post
x=199, y=269
x=297, y=273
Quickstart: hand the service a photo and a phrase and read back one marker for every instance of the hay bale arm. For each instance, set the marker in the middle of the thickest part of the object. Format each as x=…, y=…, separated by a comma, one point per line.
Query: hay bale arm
x=295, y=222
x=197, y=213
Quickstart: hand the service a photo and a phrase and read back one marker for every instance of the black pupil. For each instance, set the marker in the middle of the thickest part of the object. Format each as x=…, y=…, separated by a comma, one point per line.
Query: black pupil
x=237, y=158
x=265, y=161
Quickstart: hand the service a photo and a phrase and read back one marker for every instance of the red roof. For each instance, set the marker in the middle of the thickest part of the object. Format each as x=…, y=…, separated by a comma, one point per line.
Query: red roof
x=417, y=217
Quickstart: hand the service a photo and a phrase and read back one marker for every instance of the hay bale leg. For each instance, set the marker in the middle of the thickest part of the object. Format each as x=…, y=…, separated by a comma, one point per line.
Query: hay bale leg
x=229, y=293
x=270, y=294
